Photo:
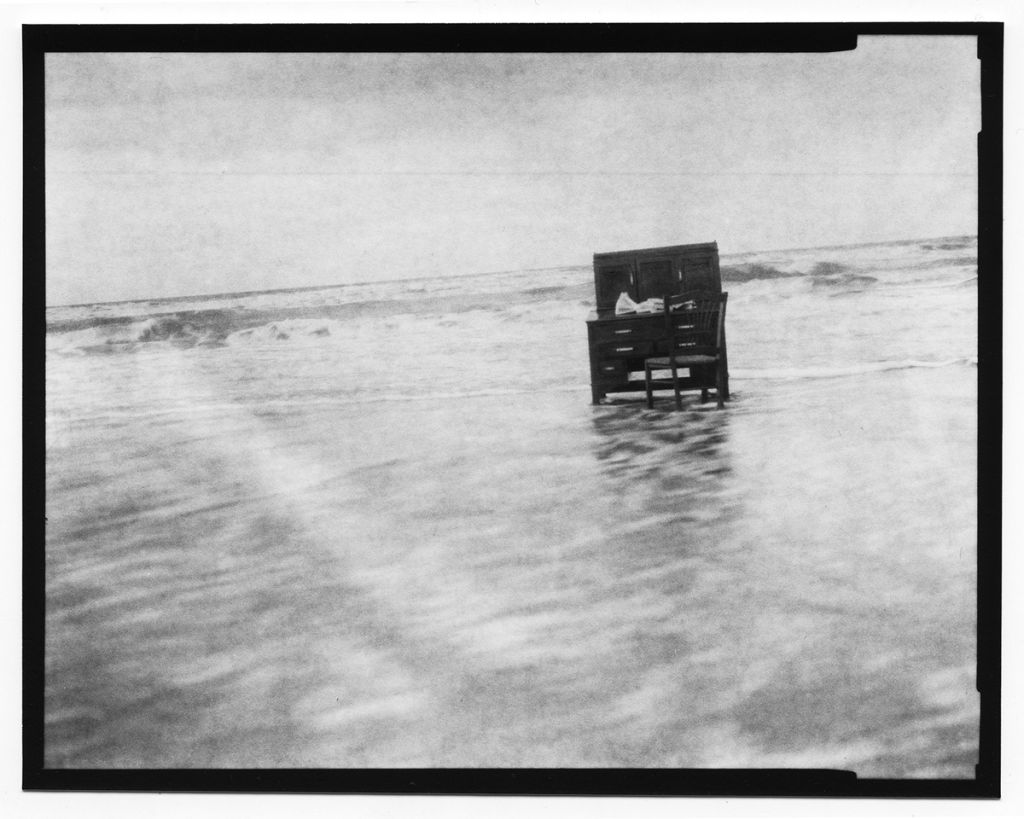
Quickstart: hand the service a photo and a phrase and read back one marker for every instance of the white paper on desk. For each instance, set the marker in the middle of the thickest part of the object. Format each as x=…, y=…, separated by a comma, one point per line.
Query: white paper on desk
x=651, y=306
x=625, y=304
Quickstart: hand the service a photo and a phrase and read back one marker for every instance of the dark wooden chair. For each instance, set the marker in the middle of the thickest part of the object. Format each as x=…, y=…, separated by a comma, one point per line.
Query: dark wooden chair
x=695, y=323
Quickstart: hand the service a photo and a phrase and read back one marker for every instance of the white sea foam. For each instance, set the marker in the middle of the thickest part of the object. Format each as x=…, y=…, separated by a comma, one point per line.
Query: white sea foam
x=840, y=372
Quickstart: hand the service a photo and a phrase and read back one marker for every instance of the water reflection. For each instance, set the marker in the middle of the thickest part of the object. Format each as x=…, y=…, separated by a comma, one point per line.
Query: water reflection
x=677, y=465
x=626, y=429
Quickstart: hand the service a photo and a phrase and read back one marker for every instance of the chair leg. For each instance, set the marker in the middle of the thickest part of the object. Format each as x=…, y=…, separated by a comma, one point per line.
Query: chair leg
x=675, y=386
x=720, y=384
x=647, y=386
x=700, y=374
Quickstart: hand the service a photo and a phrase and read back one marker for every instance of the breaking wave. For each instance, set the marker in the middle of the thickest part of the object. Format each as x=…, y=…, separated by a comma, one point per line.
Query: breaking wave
x=203, y=328
x=824, y=273
x=751, y=271
x=834, y=274
x=956, y=243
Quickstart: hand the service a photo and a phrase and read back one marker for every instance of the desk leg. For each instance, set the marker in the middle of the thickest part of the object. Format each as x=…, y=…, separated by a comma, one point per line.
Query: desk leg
x=725, y=366
x=595, y=394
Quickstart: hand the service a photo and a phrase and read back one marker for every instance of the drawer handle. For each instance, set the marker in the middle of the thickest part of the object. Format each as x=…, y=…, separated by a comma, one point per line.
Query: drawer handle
x=624, y=349
x=623, y=332
x=609, y=368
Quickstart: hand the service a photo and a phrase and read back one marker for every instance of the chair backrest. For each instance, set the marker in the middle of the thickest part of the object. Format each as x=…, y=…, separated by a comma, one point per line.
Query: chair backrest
x=694, y=322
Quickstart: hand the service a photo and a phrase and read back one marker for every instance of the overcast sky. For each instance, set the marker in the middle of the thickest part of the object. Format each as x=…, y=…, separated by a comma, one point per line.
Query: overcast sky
x=175, y=174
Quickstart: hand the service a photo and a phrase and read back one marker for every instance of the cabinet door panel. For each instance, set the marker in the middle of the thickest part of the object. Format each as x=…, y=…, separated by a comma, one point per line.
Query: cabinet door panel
x=700, y=274
x=613, y=279
x=655, y=279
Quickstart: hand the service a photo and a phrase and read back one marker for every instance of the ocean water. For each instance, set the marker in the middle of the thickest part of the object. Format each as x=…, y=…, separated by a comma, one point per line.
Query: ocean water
x=383, y=525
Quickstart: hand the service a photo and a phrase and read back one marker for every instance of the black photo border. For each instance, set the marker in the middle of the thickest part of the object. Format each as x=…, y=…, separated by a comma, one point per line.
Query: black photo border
x=37, y=40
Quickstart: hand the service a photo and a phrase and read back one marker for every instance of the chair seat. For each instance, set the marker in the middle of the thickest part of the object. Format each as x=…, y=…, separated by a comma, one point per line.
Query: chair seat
x=681, y=360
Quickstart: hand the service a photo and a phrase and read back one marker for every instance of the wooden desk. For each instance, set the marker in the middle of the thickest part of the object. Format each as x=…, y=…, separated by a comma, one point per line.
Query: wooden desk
x=619, y=345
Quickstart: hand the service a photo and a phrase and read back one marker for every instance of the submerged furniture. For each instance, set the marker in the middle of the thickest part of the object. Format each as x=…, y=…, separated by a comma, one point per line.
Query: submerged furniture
x=620, y=345
x=694, y=326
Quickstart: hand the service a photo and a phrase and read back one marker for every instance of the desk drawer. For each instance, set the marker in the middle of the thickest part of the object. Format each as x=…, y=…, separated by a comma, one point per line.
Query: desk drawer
x=626, y=349
x=630, y=330
x=613, y=369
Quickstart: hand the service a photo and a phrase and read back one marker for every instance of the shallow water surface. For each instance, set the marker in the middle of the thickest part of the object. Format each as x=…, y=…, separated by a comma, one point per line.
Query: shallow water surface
x=410, y=540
